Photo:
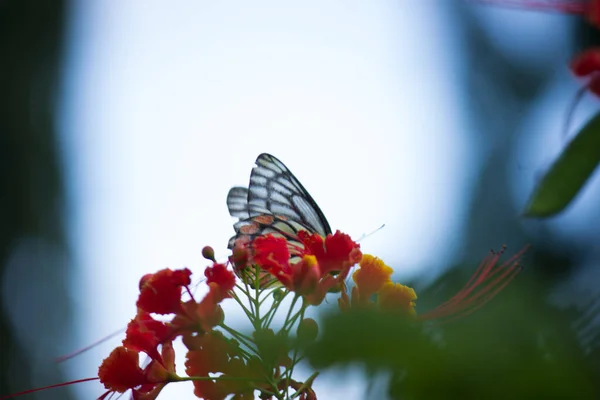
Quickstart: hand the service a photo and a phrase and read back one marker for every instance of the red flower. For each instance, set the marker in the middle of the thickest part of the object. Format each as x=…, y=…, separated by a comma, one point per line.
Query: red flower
x=221, y=282
x=144, y=334
x=120, y=371
x=200, y=317
x=158, y=375
x=322, y=263
x=335, y=254
x=240, y=257
x=160, y=293
x=208, y=310
x=593, y=12
x=219, y=274
x=272, y=254
x=306, y=274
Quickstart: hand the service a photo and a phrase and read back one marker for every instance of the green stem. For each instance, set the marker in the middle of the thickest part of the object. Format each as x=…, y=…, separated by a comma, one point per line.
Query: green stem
x=246, y=291
x=287, y=317
x=275, y=308
x=257, y=293
x=295, y=359
x=307, y=383
x=292, y=321
x=248, y=313
x=243, y=339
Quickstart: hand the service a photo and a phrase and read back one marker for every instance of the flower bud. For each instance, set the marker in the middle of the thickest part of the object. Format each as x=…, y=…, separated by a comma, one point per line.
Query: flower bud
x=240, y=257
x=278, y=294
x=208, y=253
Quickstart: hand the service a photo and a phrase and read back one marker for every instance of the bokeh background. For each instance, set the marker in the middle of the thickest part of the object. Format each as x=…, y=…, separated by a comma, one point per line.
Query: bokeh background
x=124, y=124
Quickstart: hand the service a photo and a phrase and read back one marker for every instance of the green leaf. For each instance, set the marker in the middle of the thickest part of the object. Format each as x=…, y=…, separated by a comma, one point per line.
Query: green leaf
x=517, y=348
x=569, y=173
x=376, y=339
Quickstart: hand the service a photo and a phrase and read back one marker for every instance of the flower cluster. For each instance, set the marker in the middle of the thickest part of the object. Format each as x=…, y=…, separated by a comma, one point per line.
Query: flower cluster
x=315, y=265
x=161, y=294
x=222, y=362
x=373, y=279
x=374, y=288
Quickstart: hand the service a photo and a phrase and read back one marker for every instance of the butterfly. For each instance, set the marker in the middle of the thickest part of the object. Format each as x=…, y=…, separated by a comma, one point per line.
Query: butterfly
x=275, y=202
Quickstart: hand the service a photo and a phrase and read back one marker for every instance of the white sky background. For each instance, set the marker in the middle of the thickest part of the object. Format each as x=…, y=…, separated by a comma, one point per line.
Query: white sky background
x=167, y=107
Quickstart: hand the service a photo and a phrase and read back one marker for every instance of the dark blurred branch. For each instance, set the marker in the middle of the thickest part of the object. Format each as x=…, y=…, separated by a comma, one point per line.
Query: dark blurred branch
x=31, y=189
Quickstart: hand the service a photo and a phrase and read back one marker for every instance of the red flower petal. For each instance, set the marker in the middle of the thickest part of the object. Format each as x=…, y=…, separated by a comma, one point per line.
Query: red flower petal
x=200, y=317
x=161, y=293
x=120, y=371
x=593, y=12
x=586, y=63
x=306, y=275
x=336, y=253
x=220, y=275
x=144, y=334
x=271, y=253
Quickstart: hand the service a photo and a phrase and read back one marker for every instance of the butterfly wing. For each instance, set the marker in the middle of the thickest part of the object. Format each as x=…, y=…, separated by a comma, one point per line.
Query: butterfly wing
x=275, y=202
x=237, y=202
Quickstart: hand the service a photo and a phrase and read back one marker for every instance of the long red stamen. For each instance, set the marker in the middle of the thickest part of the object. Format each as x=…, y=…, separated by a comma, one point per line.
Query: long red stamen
x=10, y=396
x=487, y=281
x=187, y=289
x=91, y=346
x=470, y=307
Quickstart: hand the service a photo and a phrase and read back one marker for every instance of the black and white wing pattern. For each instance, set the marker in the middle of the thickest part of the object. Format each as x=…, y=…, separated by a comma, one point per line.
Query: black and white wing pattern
x=274, y=202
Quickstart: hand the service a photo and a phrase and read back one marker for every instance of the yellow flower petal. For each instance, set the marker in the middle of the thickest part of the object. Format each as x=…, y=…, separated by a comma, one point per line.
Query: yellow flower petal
x=371, y=276
x=397, y=297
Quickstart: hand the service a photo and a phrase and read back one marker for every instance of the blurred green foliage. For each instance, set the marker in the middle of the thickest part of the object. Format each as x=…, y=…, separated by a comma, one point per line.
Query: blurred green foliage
x=568, y=175
x=518, y=346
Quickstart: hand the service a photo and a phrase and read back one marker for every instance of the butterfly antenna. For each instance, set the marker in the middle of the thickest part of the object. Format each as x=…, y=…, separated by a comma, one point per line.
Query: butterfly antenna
x=366, y=235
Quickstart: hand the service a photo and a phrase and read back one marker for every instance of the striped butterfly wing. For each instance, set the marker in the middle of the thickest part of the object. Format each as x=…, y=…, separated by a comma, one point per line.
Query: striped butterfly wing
x=275, y=202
